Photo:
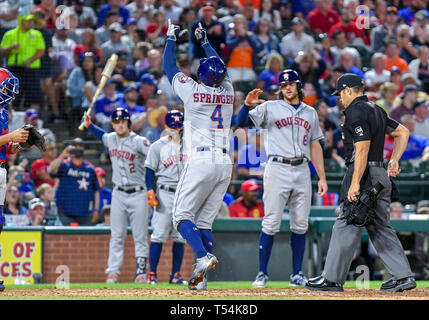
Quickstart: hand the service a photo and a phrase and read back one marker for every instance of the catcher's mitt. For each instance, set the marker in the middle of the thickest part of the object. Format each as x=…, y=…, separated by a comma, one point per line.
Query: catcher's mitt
x=35, y=138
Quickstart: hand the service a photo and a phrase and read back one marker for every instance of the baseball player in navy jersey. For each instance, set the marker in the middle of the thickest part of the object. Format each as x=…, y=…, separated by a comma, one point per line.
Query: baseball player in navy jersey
x=208, y=106
x=293, y=135
x=128, y=152
x=165, y=162
x=9, y=86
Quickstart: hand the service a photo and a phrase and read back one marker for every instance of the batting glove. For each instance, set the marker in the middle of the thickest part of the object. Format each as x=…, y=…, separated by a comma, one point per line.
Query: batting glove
x=201, y=34
x=151, y=198
x=171, y=32
x=86, y=120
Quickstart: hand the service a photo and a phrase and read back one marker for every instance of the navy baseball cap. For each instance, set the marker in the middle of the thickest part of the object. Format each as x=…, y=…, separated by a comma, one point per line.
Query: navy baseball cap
x=130, y=87
x=148, y=78
x=31, y=113
x=349, y=80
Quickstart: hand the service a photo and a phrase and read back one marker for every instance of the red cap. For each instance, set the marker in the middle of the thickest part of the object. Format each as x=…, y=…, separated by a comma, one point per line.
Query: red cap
x=249, y=185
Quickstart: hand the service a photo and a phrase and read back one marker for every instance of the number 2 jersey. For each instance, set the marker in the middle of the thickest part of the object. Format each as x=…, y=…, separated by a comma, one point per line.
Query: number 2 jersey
x=290, y=131
x=127, y=156
x=208, y=112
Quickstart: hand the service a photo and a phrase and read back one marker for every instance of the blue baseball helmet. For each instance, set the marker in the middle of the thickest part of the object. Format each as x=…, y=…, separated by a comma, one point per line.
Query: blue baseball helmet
x=174, y=119
x=9, y=87
x=121, y=113
x=290, y=75
x=211, y=71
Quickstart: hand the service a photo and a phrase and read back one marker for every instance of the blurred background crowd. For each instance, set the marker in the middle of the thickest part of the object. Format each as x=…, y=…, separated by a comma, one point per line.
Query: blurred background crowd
x=59, y=67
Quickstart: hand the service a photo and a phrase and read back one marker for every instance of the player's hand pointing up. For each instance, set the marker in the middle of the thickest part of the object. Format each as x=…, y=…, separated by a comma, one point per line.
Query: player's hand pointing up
x=253, y=97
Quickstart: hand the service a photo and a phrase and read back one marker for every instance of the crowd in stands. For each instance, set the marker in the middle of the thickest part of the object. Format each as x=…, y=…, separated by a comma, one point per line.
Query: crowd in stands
x=71, y=40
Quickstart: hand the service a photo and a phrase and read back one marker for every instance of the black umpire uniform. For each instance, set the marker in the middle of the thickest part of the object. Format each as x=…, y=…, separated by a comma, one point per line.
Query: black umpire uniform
x=365, y=121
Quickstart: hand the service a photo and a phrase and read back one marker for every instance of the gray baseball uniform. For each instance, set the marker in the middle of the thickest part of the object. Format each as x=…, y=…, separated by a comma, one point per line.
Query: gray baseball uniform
x=208, y=169
x=127, y=156
x=166, y=159
x=289, y=134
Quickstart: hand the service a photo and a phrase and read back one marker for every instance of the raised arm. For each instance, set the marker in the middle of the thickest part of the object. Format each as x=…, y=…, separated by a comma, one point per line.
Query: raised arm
x=169, y=60
x=95, y=130
x=251, y=99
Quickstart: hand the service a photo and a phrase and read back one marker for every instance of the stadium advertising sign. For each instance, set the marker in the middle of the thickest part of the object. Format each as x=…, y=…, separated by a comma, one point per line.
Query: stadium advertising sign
x=20, y=256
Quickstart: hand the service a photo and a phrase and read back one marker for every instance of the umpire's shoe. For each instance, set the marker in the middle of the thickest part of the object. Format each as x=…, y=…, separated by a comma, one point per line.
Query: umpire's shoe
x=321, y=284
x=393, y=285
x=1, y=286
x=203, y=265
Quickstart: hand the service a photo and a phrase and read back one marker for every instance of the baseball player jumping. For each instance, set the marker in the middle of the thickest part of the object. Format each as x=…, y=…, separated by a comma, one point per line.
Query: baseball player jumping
x=9, y=86
x=128, y=152
x=165, y=162
x=207, y=173
x=293, y=140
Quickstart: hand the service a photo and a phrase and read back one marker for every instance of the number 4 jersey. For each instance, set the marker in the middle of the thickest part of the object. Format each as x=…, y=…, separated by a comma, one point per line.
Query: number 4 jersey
x=208, y=112
x=290, y=130
x=127, y=156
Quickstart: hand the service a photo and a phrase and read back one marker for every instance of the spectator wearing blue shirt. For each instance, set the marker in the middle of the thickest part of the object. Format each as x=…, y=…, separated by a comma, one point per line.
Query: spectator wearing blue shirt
x=78, y=194
x=147, y=88
x=252, y=156
x=105, y=193
x=106, y=103
x=346, y=61
x=113, y=5
x=408, y=14
x=131, y=93
x=270, y=75
x=418, y=146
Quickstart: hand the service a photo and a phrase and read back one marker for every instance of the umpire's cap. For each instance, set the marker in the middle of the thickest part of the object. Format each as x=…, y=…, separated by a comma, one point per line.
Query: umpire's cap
x=347, y=80
x=174, y=119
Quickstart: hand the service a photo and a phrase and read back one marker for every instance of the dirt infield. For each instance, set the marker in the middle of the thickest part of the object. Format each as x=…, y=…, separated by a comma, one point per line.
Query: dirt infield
x=153, y=293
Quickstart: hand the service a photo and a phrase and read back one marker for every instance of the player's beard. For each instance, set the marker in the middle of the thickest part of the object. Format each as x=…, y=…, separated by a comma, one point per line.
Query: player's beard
x=290, y=99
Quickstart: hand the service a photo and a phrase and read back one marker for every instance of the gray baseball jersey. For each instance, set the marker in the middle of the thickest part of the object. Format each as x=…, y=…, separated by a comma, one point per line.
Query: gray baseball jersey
x=166, y=159
x=127, y=156
x=289, y=134
x=207, y=173
x=290, y=130
x=208, y=112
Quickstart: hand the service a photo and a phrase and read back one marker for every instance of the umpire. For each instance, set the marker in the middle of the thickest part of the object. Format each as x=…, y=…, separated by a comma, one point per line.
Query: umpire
x=364, y=131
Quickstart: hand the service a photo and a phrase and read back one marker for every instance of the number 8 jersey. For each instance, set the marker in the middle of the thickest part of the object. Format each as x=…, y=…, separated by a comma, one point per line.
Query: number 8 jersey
x=208, y=112
x=290, y=130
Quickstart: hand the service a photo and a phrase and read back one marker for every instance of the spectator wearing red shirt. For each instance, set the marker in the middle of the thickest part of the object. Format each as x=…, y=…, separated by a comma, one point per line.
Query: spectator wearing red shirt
x=247, y=206
x=48, y=6
x=322, y=18
x=39, y=168
x=348, y=26
x=88, y=45
x=157, y=28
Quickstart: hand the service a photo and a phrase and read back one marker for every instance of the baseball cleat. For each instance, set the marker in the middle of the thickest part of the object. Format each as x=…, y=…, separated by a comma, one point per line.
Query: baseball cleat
x=141, y=278
x=203, y=265
x=2, y=287
x=153, y=278
x=260, y=281
x=177, y=279
x=298, y=280
x=201, y=286
x=112, y=278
